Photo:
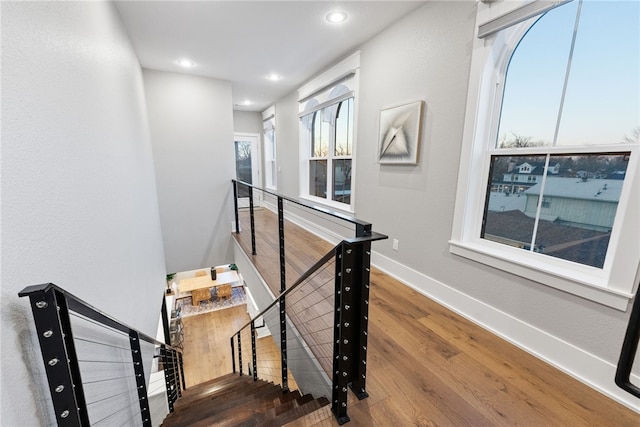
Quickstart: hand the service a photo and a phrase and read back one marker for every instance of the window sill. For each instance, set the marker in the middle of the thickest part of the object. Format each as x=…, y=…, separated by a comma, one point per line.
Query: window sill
x=348, y=209
x=591, y=288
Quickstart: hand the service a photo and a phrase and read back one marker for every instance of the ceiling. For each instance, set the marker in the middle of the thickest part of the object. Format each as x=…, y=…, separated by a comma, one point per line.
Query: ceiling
x=245, y=41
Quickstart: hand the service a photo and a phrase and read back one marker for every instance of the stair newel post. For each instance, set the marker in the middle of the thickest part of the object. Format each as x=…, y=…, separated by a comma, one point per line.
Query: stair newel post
x=235, y=204
x=181, y=367
x=233, y=356
x=53, y=326
x=360, y=317
x=176, y=368
x=283, y=345
x=341, y=341
x=253, y=351
x=240, y=353
x=141, y=385
x=166, y=364
x=253, y=226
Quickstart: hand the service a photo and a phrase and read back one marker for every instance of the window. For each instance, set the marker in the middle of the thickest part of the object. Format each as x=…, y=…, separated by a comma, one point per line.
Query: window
x=554, y=124
x=327, y=130
x=269, y=133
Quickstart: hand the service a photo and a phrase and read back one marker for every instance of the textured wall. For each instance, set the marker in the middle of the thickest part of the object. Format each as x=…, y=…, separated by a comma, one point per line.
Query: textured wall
x=79, y=205
x=191, y=124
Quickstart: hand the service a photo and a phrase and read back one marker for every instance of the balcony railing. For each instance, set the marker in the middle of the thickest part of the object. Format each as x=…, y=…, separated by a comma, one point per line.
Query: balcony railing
x=319, y=324
x=97, y=366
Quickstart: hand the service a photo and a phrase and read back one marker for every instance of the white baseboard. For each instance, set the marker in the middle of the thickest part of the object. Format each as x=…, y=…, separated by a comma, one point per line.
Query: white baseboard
x=576, y=362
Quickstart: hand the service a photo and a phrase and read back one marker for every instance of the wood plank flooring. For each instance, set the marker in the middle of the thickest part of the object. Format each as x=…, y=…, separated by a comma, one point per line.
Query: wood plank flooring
x=429, y=366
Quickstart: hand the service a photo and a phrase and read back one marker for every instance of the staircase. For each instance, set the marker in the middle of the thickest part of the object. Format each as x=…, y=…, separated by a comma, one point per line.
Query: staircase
x=240, y=401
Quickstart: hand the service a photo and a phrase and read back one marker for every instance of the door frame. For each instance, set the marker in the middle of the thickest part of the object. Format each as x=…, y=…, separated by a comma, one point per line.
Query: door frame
x=256, y=163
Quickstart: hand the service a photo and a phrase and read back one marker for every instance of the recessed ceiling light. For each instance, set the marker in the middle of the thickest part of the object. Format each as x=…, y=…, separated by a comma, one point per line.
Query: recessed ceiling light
x=336, y=17
x=274, y=77
x=186, y=63
x=247, y=102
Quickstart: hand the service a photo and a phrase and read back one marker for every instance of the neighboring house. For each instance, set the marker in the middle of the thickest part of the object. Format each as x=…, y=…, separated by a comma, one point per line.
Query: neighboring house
x=579, y=202
x=523, y=176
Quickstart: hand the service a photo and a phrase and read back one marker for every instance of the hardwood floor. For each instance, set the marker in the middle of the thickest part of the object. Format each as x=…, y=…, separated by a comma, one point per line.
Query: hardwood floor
x=429, y=366
x=207, y=352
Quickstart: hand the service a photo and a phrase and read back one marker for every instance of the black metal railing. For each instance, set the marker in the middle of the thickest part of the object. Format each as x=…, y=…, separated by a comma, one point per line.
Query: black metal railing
x=96, y=366
x=629, y=349
x=320, y=322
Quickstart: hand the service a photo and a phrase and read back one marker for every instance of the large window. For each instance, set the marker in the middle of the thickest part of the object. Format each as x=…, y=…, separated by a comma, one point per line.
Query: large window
x=330, y=151
x=327, y=129
x=555, y=138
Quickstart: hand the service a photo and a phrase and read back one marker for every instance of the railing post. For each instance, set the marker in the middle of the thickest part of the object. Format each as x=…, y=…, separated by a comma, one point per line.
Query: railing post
x=53, y=326
x=360, y=317
x=253, y=227
x=282, y=306
x=351, y=325
x=181, y=366
x=169, y=378
x=176, y=368
x=141, y=385
x=235, y=204
x=363, y=230
x=283, y=275
x=340, y=342
x=240, y=352
x=254, y=357
x=283, y=345
x=233, y=356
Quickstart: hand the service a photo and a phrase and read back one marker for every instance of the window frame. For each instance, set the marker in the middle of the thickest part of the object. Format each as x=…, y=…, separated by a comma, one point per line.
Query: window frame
x=270, y=149
x=328, y=91
x=614, y=284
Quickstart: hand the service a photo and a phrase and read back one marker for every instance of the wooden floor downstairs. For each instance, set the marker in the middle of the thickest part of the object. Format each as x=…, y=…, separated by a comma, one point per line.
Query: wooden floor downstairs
x=429, y=366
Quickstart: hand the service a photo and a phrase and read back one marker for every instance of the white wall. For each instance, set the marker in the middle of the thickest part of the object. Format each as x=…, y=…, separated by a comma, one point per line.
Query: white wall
x=426, y=56
x=191, y=123
x=79, y=205
x=247, y=122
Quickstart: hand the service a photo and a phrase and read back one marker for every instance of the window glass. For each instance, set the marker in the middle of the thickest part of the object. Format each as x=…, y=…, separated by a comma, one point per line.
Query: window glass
x=601, y=72
x=575, y=218
x=318, y=178
x=534, y=80
x=344, y=128
x=602, y=104
x=321, y=130
x=342, y=181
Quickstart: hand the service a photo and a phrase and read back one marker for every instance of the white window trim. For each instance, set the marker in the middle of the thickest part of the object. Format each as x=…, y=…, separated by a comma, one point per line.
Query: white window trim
x=613, y=285
x=270, y=114
x=347, y=68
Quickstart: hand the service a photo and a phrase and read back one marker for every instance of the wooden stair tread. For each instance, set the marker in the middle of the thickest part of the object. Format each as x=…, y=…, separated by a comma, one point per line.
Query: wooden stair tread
x=232, y=400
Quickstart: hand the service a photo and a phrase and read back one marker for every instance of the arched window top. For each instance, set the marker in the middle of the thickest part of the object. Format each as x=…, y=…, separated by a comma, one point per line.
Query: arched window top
x=563, y=89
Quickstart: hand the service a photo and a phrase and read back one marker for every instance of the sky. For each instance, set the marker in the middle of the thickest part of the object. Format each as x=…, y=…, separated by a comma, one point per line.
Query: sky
x=602, y=103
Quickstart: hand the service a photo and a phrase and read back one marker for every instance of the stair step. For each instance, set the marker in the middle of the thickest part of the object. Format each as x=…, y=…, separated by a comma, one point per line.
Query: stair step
x=297, y=412
x=232, y=400
x=215, y=408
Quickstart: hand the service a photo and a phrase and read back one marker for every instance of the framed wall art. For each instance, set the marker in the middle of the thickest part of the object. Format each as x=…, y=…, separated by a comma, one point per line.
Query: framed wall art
x=400, y=134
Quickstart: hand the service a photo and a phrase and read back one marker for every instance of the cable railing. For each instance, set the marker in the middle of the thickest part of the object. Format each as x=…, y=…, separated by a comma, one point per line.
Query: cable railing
x=100, y=371
x=314, y=334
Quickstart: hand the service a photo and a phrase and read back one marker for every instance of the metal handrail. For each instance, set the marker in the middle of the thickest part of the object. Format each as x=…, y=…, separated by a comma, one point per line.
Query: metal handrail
x=82, y=307
x=629, y=349
x=360, y=224
x=51, y=307
x=374, y=236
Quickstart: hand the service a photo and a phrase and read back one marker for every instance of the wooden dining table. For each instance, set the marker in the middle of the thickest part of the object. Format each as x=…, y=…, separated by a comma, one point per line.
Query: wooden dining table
x=199, y=286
